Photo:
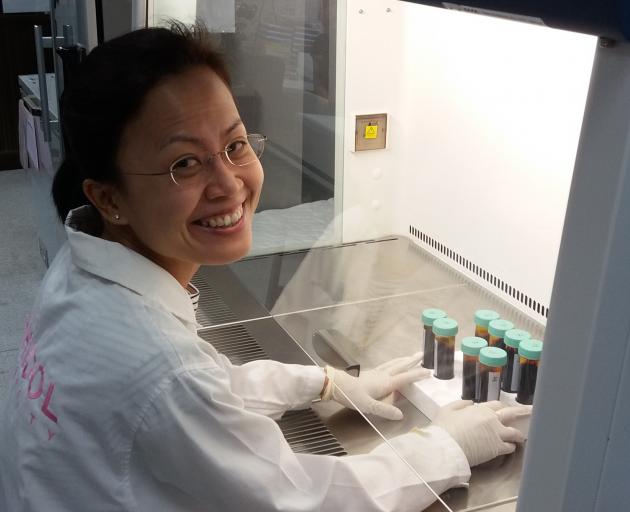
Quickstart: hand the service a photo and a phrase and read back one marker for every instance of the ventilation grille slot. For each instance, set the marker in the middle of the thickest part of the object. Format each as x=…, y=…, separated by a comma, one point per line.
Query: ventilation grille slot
x=236, y=343
x=304, y=430
x=212, y=309
x=305, y=433
x=482, y=273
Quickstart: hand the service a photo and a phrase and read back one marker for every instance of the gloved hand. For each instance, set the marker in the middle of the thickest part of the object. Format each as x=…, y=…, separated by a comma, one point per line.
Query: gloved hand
x=367, y=391
x=480, y=429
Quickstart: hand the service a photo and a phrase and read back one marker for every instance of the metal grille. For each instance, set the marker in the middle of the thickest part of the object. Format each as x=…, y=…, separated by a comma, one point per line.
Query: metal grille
x=304, y=430
x=305, y=433
x=235, y=342
x=212, y=309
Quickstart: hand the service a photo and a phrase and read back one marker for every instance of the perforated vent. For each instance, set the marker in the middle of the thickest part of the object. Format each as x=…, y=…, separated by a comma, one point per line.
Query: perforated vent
x=235, y=342
x=305, y=433
x=212, y=309
x=484, y=274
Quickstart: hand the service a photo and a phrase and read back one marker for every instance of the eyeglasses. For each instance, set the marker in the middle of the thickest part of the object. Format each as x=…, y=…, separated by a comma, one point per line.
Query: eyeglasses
x=188, y=171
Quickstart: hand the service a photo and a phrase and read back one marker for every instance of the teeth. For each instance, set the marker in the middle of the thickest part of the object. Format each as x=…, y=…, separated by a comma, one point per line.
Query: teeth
x=223, y=220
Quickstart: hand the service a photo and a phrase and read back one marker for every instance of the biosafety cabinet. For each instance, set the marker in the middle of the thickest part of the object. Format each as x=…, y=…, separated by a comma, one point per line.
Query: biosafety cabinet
x=455, y=156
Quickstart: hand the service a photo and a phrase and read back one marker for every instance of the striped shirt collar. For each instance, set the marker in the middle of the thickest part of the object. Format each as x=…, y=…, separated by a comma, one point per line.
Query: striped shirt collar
x=115, y=262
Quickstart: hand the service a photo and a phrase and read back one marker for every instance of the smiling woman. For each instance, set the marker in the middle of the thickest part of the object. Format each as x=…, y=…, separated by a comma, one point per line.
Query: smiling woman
x=117, y=403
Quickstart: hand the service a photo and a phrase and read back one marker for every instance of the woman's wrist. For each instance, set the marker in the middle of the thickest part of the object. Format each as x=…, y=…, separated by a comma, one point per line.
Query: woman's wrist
x=326, y=380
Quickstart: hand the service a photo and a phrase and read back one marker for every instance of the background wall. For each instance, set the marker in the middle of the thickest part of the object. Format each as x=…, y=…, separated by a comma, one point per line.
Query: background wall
x=17, y=57
x=116, y=18
x=484, y=120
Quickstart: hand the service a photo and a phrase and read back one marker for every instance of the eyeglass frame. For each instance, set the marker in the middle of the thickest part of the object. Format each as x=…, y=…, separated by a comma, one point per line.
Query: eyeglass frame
x=224, y=151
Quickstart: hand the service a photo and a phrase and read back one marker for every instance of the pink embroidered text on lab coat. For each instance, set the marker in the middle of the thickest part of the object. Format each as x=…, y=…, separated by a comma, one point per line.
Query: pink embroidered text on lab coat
x=36, y=375
x=39, y=375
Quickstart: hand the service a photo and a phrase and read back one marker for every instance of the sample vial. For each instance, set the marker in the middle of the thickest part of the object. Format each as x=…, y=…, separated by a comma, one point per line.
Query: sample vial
x=444, y=330
x=428, y=317
x=497, y=329
x=482, y=318
x=529, y=352
x=509, y=379
x=470, y=349
x=491, y=363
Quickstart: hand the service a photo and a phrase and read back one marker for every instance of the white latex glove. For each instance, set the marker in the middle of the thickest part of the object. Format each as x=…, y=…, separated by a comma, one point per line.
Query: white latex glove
x=367, y=391
x=480, y=429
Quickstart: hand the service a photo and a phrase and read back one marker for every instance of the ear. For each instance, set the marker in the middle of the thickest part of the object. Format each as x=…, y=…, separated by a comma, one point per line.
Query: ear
x=107, y=200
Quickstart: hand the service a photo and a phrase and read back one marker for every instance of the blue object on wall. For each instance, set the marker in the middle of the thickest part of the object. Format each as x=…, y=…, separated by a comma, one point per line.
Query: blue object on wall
x=606, y=18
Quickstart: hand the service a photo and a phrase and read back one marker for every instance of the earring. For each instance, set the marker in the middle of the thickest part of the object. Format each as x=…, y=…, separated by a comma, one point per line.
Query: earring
x=117, y=217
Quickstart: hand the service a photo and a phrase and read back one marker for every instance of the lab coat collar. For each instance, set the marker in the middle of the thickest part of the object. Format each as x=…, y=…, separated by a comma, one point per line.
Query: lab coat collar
x=115, y=262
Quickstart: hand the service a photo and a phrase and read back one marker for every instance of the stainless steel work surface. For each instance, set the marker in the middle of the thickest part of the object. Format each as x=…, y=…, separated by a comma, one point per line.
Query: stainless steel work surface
x=369, y=333
x=342, y=431
x=361, y=303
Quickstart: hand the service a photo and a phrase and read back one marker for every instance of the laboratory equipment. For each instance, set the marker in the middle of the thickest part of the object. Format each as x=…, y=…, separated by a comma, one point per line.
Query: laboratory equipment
x=444, y=330
x=470, y=360
x=509, y=379
x=529, y=353
x=496, y=330
x=491, y=364
x=482, y=319
x=428, y=317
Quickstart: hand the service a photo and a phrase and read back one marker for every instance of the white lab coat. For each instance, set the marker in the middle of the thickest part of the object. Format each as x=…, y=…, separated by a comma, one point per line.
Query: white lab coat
x=118, y=405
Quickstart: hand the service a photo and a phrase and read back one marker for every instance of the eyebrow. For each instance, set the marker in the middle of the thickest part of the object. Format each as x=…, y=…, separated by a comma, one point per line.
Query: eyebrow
x=183, y=137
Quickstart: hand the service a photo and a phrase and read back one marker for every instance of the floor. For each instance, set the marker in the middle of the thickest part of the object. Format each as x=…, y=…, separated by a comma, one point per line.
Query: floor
x=21, y=267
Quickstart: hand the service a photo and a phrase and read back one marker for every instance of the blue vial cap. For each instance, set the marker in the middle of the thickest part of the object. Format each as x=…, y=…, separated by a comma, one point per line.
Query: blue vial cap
x=471, y=345
x=431, y=314
x=493, y=356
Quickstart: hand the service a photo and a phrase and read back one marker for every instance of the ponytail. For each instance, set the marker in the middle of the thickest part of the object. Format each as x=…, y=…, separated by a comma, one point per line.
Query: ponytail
x=67, y=189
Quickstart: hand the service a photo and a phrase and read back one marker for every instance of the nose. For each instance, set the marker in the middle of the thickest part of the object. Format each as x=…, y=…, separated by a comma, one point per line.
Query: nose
x=224, y=178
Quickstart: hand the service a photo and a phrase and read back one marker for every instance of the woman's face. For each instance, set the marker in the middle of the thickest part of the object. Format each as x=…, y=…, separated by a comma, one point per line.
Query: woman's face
x=184, y=120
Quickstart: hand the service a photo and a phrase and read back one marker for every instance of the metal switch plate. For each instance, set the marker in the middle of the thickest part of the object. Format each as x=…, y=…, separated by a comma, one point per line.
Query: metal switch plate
x=370, y=132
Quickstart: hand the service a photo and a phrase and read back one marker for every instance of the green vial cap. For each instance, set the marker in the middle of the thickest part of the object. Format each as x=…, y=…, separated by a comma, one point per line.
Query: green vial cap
x=493, y=356
x=530, y=349
x=432, y=314
x=445, y=327
x=471, y=345
x=499, y=327
x=484, y=316
x=513, y=337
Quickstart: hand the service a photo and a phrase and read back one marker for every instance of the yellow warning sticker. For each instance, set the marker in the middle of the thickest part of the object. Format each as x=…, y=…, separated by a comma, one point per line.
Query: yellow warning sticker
x=371, y=131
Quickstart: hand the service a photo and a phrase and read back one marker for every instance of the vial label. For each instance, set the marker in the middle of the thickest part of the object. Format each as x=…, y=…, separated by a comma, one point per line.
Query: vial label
x=478, y=378
x=429, y=352
x=494, y=385
x=435, y=355
x=516, y=372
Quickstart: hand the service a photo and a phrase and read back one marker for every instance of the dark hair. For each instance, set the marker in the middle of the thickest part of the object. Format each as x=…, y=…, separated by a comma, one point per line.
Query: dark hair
x=108, y=90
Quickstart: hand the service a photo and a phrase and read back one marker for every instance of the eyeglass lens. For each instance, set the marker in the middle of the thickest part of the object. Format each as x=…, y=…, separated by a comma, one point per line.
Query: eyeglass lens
x=238, y=153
